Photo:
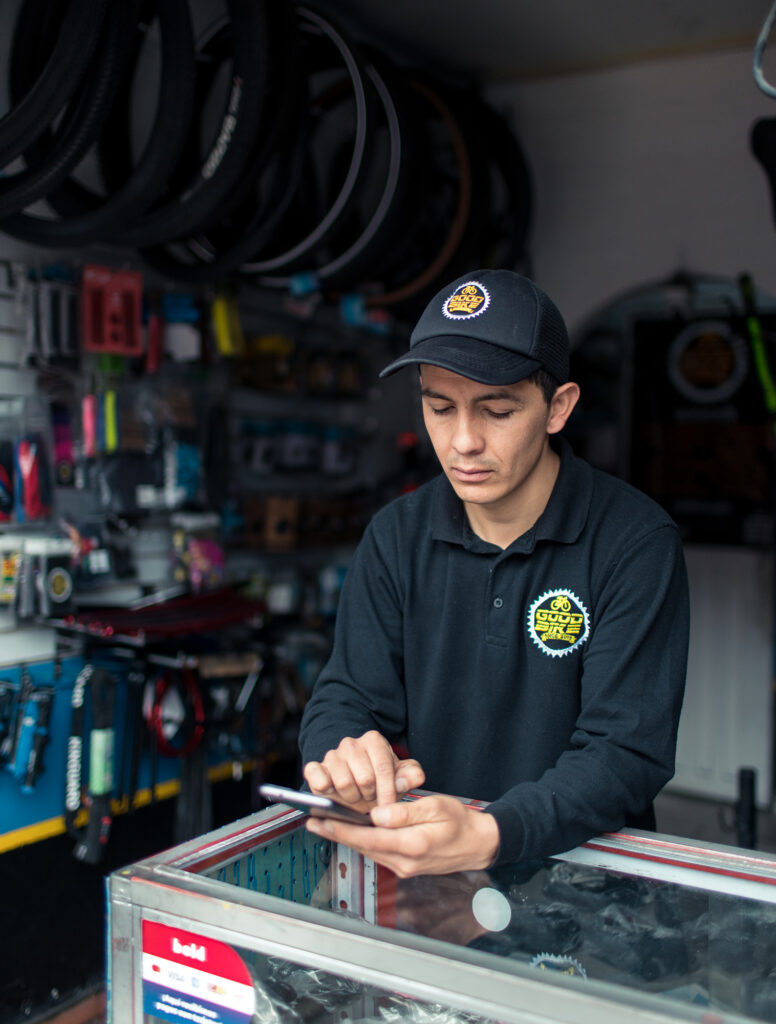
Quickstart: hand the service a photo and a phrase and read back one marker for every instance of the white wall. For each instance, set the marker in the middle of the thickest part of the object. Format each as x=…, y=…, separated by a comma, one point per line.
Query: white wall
x=641, y=171
x=727, y=719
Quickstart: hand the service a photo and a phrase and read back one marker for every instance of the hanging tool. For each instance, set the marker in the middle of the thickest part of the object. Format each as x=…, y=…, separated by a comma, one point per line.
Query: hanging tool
x=90, y=842
x=7, y=691
x=40, y=703
x=762, y=137
x=759, y=52
x=177, y=715
x=246, y=691
x=137, y=680
x=17, y=738
x=123, y=791
x=762, y=141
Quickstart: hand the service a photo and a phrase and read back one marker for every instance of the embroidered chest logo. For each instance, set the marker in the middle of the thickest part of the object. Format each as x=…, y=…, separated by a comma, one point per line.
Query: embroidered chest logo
x=558, y=622
x=468, y=300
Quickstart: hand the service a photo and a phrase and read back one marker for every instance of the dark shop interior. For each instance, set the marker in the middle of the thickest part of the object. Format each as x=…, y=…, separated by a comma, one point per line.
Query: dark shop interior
x=220, y=220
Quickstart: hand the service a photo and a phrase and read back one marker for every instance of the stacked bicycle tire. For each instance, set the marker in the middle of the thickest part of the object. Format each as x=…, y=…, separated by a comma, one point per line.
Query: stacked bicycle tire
x=271, y=147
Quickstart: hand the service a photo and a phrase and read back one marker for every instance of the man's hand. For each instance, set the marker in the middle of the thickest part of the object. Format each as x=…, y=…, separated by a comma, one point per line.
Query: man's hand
x=363, y=772
x=433, y=835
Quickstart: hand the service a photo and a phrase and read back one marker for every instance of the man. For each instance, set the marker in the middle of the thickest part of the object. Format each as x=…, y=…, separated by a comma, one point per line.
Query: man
x=519, y=623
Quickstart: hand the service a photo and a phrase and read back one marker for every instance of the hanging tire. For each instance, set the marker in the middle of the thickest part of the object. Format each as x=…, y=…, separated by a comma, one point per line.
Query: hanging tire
x=210, y=188
x=30, y=116
x=82, y=119
x=271, y=180
x=85, y=216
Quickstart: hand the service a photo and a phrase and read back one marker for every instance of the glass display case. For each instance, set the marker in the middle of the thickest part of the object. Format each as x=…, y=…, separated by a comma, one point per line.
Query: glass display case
x=262, y=921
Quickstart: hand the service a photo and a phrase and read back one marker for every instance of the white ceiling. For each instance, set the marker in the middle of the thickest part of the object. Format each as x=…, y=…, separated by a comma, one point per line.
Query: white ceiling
x=507, y=39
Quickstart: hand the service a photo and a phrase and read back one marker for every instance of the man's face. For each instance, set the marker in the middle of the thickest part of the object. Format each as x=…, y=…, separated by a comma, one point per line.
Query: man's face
x=489, y=440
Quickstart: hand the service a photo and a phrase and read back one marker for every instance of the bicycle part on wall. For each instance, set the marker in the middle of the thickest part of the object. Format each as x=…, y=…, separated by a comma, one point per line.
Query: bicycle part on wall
x=680, y=401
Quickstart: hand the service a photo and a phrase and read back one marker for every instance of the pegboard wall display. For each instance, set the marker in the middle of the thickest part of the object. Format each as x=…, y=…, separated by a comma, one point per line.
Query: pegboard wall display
x=703, y=441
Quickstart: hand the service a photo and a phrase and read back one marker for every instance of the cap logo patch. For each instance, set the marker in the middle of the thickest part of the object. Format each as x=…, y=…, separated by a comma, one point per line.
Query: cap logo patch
x=558, y=622
x=468, y=300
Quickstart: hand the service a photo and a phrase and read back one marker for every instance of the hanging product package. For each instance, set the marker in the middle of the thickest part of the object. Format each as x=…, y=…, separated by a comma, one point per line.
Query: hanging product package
x=10, y=561
x=26, y=483
x=52, y=566
x=142, y=448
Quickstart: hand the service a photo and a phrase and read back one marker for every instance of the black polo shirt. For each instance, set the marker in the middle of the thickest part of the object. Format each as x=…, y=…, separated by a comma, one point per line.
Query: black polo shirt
x=547, y=677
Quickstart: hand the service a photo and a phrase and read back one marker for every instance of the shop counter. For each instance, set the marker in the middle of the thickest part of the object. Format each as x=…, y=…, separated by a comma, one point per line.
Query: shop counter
x=262, y=921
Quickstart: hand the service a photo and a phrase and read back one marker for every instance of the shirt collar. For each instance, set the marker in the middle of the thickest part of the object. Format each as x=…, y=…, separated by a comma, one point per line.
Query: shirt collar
x=562, y=519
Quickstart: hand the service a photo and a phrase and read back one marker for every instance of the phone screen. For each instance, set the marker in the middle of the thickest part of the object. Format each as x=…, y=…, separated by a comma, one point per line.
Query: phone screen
x=312, y=803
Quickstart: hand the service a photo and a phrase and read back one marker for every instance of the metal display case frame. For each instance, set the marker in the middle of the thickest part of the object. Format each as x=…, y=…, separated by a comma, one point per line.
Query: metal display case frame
x=248, y=888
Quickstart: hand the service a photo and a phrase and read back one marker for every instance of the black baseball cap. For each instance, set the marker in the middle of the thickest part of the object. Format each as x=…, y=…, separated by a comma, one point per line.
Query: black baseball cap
x=492, y=326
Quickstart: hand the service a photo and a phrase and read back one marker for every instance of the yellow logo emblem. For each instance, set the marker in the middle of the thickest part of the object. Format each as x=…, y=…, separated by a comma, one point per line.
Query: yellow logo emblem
x=558, y=622
x=557, y=962
x=468, y=300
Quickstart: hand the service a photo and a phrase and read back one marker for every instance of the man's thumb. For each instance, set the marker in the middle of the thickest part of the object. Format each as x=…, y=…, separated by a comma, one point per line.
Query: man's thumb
x=390, y=815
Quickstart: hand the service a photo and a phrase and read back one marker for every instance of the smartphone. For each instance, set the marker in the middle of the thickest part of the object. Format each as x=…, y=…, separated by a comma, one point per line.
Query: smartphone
x=312, y=803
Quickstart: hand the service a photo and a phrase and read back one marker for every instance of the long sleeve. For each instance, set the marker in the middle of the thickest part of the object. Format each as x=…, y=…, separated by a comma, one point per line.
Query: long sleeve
x=360, y=688
x=621, y=751
x=438, y=642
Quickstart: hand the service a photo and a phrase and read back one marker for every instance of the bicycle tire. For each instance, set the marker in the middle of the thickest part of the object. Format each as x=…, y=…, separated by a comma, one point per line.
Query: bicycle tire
x=364, y=210
x=211, y=188
x=474, y=240
x=276, y=159
x=197, y=260
x=250, y=241
x=84, y=216
x=35, y=36
x=36, y=30
x=71, y=56
x=115, y=145
x=301, y=248
x=81, y=122
x=338, y=271
x=351, y=254
x=361, y=260
x=201, y=258
x=423, y=281
x=514, y=222
x=502, y=194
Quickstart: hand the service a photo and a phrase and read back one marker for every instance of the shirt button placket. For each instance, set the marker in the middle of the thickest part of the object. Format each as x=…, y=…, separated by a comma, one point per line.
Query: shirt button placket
x=496, y=621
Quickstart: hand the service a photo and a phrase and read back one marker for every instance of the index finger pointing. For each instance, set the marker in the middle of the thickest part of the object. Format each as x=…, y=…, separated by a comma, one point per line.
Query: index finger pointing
x=383, y=763
x=385, y=777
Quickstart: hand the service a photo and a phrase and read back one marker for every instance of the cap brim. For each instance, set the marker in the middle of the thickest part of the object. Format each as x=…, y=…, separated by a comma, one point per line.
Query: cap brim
x=478, y=360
